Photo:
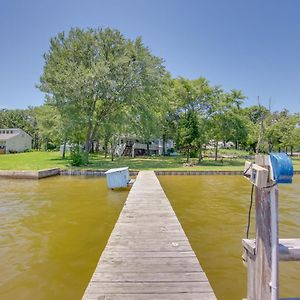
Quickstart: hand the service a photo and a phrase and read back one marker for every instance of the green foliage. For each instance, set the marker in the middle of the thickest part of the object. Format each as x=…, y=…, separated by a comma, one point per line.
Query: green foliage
x=50, y=126
x=91, y=74
x=282, y=130
x=78, y=157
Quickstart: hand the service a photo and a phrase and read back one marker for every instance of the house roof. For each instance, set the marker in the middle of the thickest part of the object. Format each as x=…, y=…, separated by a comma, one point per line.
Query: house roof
x=7, y=136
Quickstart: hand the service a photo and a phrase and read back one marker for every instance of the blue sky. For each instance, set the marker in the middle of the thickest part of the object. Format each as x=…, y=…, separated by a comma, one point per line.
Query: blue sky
x=249, y=45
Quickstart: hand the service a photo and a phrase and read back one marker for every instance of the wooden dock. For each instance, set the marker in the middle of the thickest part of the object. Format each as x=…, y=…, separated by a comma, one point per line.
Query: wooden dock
x=148, y=256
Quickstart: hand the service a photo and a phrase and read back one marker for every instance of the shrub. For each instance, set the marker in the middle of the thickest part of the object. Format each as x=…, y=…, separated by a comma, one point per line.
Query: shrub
x=77, y=156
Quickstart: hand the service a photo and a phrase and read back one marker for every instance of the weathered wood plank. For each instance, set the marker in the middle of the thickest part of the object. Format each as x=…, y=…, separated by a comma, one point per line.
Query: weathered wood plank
x=145, y=268
x=289, y=249
x=147, y=239
x=148, y=255
x=263, y=260
x=148, y=277
x=148, y=287
x=153, y=296
x=180, y=246
x=174, y=261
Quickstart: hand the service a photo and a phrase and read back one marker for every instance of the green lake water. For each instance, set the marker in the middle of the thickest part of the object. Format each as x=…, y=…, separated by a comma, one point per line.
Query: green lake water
x=52, y=233
x=213, y=212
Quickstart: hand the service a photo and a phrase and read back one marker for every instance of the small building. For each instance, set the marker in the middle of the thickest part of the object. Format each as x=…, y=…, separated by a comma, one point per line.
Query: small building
x=14, y=140
x=132, y=146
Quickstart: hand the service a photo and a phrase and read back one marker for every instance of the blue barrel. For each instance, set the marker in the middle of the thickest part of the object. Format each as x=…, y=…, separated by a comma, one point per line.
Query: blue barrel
x=282, y=165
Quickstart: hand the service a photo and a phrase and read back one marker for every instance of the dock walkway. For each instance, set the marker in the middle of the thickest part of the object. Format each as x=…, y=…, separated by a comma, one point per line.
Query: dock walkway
x=148, y=256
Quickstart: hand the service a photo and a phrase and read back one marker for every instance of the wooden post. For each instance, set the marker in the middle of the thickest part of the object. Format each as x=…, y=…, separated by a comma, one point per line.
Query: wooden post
x=263, y=260
x=249, y=259
x=262, y=271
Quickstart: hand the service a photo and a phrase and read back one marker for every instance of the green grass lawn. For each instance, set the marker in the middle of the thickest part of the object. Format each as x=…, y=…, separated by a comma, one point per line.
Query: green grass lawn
x=32, y=161
x=45, y=160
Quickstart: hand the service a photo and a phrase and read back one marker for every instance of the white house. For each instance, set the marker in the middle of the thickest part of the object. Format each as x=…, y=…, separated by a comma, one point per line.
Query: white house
x=14, y=140
x=132, y=146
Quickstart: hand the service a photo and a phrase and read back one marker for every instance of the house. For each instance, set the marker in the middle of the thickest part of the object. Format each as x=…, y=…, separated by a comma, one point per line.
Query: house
x=14, y=140
x=132, y=146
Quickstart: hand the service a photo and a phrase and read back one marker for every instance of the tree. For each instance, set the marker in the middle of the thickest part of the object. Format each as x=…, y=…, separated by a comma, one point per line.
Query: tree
x=282, y=130
x=50, y=126
x=90, y=74
x=225, y=122
x=257, y=117
x=188, y=132
x=194, y=102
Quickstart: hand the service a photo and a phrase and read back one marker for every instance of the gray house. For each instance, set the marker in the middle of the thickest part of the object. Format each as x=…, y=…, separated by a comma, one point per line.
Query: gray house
x=14, y=140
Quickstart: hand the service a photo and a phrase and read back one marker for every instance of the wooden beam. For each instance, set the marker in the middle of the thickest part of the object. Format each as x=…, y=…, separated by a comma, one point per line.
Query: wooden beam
x=289, y=249
x=263, y=259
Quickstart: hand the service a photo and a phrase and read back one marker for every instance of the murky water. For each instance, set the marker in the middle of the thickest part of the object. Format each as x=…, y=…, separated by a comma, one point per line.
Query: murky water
x=213, y=212
x=52, y=233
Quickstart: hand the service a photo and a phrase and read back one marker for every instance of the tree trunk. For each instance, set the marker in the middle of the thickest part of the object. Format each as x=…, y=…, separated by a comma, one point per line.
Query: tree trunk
x=188, y=155
x=88, y=141
x=292, y=151
x=236, y=144
x=112, y=150
x=36, y=141
x=86, y=148
x=64, y=149
x=46, y=144
x=200, y=154
x=164, y=144
x=92, y=147
x=216, y=151
x=97, y=147
x=148, y=148
x=106, y=142
x=87, y=145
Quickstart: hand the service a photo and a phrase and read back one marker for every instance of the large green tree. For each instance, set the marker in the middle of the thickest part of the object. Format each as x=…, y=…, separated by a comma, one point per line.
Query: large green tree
x=90, y=74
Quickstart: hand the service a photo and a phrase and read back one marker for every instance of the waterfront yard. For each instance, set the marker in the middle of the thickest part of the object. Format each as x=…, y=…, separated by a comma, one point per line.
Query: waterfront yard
x=43, y=160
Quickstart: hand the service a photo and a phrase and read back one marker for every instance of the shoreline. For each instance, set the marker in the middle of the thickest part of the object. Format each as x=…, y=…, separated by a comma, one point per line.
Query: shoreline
x=40, y=174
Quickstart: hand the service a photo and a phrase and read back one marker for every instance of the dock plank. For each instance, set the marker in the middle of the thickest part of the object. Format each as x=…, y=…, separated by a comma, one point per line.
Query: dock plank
x=148, y=255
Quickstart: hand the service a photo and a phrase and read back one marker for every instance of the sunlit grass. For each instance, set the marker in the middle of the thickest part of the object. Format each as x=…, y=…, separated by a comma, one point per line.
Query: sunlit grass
x=44, y=160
